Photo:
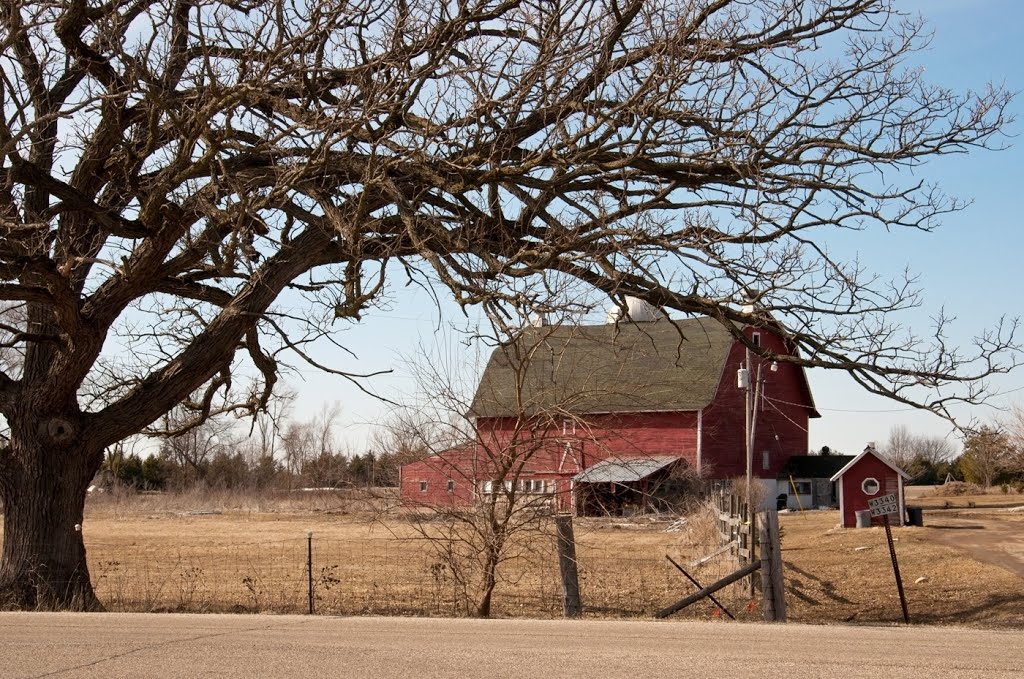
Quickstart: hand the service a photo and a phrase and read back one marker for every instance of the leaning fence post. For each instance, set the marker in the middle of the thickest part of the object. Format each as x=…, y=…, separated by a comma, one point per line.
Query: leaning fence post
x=309, y=567
x=571, y=605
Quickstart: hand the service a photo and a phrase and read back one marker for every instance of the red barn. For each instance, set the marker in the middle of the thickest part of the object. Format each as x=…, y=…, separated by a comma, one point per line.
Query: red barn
x=867, y=476
x=605, y=413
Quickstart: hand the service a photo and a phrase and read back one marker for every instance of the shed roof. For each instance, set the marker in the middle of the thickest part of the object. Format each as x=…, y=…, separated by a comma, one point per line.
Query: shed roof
x=813, y=466
x=870, y=451
x=619, y=470
x=664, y=365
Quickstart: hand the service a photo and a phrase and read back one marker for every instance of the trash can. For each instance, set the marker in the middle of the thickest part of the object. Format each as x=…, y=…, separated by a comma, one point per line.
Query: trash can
x=863, y=518
x=782, y=501
x=915, y=516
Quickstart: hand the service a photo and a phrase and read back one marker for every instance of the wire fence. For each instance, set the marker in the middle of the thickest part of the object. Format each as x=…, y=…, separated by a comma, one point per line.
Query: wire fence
x=391, y=576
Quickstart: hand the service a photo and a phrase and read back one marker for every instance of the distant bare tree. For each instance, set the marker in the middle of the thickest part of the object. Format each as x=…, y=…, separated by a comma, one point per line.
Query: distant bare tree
x=264, y=439
x=1013, y=425
x=926, y=458
x=193, y=193
x=901, y=447
x=304, y=442
x=192, y=448
x=935, y=449
x=297, y=443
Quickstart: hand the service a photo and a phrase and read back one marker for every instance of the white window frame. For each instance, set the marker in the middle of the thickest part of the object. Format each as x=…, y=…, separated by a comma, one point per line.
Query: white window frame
x=869, y=480
x=423, y=486
x=568, y=426
x=450, y=486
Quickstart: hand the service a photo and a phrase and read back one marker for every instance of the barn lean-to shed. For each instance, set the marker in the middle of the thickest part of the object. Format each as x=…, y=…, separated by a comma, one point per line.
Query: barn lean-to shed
x=867, y=476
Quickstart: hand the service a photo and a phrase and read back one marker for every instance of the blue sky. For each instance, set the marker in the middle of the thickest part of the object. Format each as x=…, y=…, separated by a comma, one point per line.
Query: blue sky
x=969, y=265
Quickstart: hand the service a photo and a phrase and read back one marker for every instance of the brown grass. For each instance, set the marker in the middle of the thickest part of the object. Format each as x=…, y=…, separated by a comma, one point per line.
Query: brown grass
x=232, y=553
x=956, y=488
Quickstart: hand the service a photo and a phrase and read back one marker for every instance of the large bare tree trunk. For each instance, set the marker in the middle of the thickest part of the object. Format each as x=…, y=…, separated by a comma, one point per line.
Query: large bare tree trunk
x=43, y=485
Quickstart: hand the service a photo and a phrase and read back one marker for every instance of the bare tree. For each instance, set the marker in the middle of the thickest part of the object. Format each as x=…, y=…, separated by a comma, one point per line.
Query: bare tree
x=264, y=440
x=298, y=442
x=926, y=458
x=1013, y=426
x=172, y=170
x=312, y=441
x=492, y=510
x=935, y=450
x=901, y=446
x=193, y=448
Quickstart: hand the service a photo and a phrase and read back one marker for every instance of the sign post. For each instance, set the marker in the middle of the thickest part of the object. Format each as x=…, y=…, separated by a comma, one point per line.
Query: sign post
x=884, y=506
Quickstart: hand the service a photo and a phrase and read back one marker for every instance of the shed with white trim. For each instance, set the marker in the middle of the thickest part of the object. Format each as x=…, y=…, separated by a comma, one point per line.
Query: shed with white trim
x=867, y=476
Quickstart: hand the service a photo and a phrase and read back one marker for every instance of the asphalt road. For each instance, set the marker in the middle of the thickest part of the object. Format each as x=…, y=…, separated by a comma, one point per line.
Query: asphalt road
x=137, y=645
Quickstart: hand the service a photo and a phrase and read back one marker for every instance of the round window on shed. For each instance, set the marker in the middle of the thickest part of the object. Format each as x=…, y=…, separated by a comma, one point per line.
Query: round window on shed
x=870, y=486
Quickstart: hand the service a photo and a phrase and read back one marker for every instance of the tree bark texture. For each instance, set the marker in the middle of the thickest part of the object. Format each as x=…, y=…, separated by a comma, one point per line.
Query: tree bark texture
x=43, y=483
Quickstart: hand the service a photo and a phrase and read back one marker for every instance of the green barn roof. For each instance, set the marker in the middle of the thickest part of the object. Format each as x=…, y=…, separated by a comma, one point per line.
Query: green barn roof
x=663, y=365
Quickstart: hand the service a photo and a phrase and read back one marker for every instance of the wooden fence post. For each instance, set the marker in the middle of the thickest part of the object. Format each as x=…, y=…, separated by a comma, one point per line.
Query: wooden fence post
x=571, y=604
x=772, y=582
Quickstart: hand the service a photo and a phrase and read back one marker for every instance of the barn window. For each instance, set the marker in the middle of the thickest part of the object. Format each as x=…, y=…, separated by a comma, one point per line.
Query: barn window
x=488, y=487
x=755, y=338
x=568, y=427
x=423, y=486
x=765, y=459
x=538, y=486
x=870, y=486
x=451, y=486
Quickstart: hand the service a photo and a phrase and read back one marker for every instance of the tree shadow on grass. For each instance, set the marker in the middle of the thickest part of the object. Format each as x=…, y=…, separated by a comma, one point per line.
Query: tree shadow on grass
x=828, y=588
x=991, y=604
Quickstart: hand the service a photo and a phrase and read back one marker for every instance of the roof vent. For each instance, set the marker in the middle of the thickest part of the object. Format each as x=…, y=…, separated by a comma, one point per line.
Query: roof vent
x=637, y=310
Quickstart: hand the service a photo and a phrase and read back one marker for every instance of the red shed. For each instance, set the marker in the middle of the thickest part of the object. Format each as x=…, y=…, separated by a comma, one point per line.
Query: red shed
x=867, y=476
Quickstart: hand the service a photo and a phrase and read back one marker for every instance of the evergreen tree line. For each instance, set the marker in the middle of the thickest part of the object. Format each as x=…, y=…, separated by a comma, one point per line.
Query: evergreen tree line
x=235, y=470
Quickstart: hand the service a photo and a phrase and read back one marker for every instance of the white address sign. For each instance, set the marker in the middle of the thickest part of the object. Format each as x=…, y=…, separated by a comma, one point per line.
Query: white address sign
x=886, y=504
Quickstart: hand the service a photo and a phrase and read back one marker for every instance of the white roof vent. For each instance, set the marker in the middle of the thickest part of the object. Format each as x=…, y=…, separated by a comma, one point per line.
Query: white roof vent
x=637, y=310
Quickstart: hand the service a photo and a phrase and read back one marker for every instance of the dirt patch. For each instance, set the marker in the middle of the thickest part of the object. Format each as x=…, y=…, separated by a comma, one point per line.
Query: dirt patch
x=838, y=574
x=993, y=539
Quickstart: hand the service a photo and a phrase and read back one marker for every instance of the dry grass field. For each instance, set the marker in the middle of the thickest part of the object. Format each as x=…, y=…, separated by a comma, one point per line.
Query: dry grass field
x=235, y=553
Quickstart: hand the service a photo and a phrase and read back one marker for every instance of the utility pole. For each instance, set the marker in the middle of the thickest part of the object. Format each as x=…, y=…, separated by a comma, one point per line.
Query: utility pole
x=751, y=383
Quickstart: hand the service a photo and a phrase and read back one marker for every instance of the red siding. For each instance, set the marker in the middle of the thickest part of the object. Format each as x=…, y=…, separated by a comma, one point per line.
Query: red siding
x=436, y=471
x=781, y=417
x=597, y=437
x=854, y=498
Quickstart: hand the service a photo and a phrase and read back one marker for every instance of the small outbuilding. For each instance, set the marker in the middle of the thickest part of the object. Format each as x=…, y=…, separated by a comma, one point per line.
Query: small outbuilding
x=805, y=481
x=867, y=476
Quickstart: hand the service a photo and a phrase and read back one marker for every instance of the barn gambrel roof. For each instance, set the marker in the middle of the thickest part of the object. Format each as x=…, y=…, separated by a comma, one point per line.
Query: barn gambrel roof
x=612, y=368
